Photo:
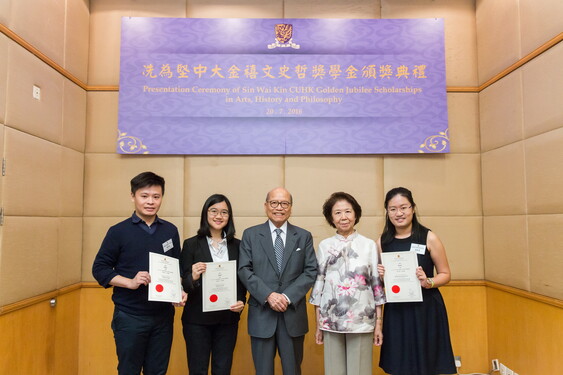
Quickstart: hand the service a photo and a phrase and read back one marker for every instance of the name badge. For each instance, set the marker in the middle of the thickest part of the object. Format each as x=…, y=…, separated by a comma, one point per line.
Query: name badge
x=167, y=245
x=418, y=248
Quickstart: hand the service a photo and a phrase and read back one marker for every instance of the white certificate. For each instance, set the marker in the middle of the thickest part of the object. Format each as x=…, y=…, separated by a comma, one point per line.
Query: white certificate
x=165, y=285
x=219, y=286
x=401, y=283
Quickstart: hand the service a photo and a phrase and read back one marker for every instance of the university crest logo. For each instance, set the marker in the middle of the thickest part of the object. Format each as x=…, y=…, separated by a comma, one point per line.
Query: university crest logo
x=284, y=37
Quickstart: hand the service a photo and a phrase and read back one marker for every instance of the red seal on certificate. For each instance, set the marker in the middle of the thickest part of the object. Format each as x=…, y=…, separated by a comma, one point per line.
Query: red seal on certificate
x=159, y=288
x=213, y=298
x=395, y=289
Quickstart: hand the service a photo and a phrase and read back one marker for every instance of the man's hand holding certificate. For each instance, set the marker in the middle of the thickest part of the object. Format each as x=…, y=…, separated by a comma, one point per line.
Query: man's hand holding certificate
x=401, y=282
x=165, y=285
x=219, y=286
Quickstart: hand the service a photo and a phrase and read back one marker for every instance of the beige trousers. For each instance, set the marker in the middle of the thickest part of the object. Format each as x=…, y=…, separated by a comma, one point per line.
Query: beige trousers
x=348, y=353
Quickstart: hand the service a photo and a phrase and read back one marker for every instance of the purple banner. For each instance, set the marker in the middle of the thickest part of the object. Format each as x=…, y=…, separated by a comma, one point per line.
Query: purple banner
x=282, y=86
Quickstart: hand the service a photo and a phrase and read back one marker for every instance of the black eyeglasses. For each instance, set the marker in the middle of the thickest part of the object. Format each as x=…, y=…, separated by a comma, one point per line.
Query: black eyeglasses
x=285, y=204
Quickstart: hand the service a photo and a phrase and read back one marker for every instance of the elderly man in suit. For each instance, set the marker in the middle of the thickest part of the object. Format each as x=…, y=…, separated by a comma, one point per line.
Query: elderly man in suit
x=277, y=264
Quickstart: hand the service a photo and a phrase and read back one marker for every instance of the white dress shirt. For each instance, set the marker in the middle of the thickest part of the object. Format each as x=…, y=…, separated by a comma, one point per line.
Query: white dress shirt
x=219, y=254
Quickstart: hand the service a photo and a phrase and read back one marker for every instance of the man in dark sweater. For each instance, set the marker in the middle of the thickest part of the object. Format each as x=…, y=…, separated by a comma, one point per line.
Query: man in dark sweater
x=142, y=328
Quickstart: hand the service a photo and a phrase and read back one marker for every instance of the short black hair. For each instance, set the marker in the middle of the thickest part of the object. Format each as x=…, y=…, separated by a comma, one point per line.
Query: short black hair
x=341, y=196
x=204, y=230
x=146, y=179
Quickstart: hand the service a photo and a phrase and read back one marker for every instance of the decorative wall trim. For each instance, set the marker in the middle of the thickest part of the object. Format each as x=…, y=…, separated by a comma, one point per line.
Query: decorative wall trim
x=457, y=283
x=102, y=88
x=19, y=40
x=38, y=299
x=90, y=284
x=532, y=55
x=451, y=89
x=467, y=283
x=525, y=294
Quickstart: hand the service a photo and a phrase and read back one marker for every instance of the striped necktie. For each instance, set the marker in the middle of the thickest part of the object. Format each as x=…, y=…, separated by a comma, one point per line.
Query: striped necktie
x=278, y=248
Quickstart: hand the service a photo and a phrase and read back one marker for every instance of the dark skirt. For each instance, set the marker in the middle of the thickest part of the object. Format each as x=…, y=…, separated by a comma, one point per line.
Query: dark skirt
x=416, y=337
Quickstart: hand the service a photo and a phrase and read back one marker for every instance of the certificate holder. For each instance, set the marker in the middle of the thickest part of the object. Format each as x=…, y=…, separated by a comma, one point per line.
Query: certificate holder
x=165, y=285
x=219, y=286
x=401, y=283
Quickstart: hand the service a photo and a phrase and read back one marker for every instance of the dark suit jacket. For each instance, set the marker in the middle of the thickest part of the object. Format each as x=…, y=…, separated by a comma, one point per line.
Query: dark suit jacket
x=196, y=249
x=258, y=271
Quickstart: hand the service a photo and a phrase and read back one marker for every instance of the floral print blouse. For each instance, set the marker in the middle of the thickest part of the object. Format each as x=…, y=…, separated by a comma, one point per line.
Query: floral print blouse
x=348, y=287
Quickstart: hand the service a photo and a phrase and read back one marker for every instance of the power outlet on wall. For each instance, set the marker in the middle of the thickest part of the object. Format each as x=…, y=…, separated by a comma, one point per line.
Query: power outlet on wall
x=36, y=92
x=495, y=364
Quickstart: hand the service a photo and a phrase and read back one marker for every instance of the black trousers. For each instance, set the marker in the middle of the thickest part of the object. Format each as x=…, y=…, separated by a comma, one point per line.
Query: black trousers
x=142, y=342
x=215, y=341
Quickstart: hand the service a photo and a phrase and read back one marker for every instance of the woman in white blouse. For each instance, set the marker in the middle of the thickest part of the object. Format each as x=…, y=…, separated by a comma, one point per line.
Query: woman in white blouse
x=348, y=293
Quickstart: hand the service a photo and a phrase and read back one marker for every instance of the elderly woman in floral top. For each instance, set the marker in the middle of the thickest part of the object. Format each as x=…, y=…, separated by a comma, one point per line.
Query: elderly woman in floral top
x=348, y=294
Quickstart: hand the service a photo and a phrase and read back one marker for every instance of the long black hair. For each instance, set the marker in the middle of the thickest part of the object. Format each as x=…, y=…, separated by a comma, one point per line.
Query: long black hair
x=204, y=229
x=389, y=232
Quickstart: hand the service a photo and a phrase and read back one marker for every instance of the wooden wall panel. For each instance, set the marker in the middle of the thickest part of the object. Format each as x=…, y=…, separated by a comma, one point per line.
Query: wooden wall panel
x=487, y=321
x=466, y=308
x=67, y=322
x=27, y=343
x=97, y=348
x=524, y=334
x=40, y=339
x=467, y=314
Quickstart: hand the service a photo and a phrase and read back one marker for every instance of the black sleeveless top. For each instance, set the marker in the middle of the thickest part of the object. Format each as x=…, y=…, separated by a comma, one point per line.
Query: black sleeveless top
x=416, y=337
